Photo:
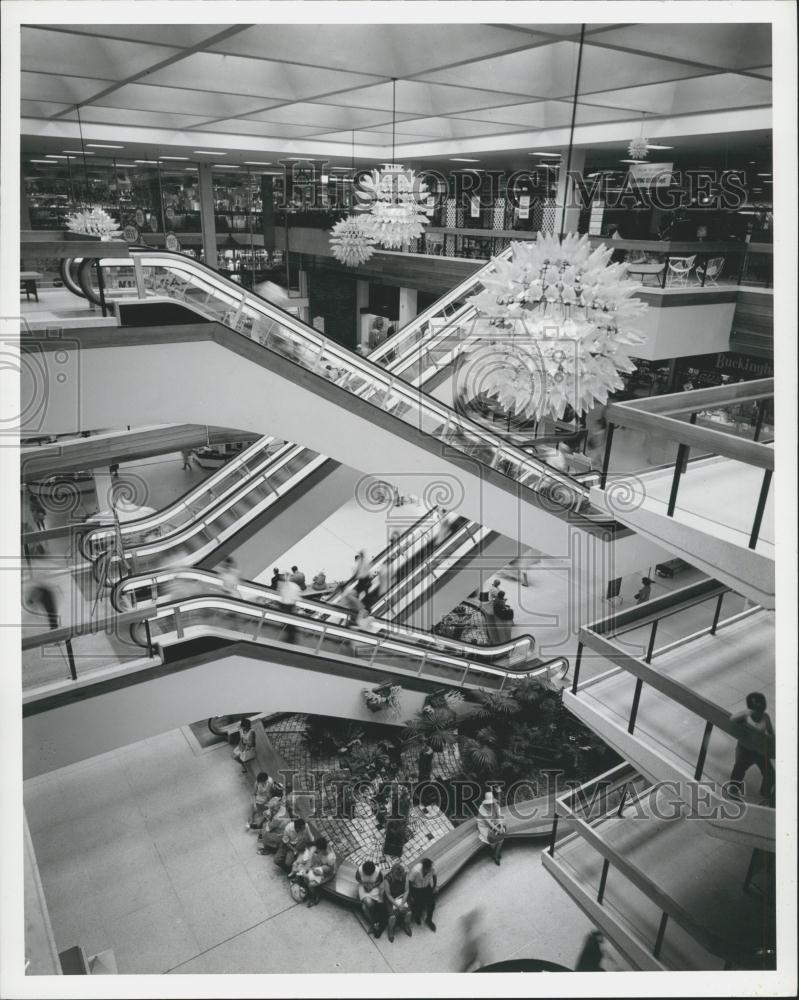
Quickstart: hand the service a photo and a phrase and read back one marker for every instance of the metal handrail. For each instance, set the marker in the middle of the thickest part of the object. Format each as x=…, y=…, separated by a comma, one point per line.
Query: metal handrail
x=374, y=378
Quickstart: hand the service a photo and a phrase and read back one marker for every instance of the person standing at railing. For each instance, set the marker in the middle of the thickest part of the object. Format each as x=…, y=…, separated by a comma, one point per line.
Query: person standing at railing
x=297, y=577
x=758, y=722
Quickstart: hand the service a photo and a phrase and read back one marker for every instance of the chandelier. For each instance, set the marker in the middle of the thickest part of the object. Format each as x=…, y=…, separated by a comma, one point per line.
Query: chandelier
x=351, y=241
x=94, y=222
x=391, y=201
x=555, y=322
x=638, y=148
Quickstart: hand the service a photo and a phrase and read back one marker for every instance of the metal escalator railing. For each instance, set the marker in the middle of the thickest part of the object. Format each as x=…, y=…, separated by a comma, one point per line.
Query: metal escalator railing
x=222, y=519
x=152, y=593
x=251, y=461
x=217, y=299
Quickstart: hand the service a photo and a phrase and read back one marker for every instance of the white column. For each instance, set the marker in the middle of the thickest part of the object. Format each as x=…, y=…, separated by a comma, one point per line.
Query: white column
x=567, y=210
x=407, y=306
x=207, y=217
x=361, y=303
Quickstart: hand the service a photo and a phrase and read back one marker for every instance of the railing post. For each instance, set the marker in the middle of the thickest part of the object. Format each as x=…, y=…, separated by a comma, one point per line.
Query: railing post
x=73, y=673
x=682, y=459
x=577, y=663
x=603, y=881
x=554, y=835
x=178, y=623
x=149, y=636
x=101, y=286
x=651, y=647
x=700, y=764
x=761, y=508
x=623, y=800
x=717, y=614
x=636, y=701
x=761, y=412
x=606, y=460
x=661, y=933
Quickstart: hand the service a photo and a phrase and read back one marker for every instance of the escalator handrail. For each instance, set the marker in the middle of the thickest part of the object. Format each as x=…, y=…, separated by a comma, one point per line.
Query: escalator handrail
x=394, y=642
x=432, y=312
x=185, y=500
x=316, y=609
x=359, y=366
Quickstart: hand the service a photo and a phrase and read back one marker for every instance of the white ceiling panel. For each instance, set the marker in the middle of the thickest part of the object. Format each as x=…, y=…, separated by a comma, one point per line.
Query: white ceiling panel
x=448, y=128
x=246, y=127
x=325, y=116
x=51, y=87
x=546, y=114
x=207, y=103
x=419, y=98
x=256, y=76
x=723, y=45
x=41, y=109
x=178, y=35
x=551, y=71
x=392, y=50
x=77, y=55
x=142, y=119
x=710, y=93
x=363, y=138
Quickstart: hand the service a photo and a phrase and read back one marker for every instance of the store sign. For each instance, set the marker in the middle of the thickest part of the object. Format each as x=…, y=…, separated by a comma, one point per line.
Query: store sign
x=651, y=174
x=130, y=234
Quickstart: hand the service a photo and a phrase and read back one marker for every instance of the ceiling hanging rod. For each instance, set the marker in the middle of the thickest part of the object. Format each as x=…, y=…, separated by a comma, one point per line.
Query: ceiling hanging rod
x=393, y=119
x=571, y=131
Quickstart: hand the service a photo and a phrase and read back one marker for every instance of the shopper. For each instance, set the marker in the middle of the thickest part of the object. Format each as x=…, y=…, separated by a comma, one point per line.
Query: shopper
x=296, y=837
x=471, y=942
x=289, y=594
x=261, y=794
x=370, y=894
x=297, y=577
x=377, y=332
x=592, y=953
x=276, y=819
x=45, y=595
x=422, y=884
x=245, y=749
x=425, y=763
x=491, y=826
x=646, y=588
x=186, y=456
x=362, y=573
x=315, y=866
x=274, y=583
x=37, y=511
x=229, y=573
x=756, y=720
x=493, y=590
x=395, y=900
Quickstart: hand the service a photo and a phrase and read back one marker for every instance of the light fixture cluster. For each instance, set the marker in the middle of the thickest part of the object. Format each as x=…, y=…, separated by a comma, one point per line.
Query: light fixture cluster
x=94, y=222
x=638, y=148
x=351, y=242
x=393, y=198
x=555, y=325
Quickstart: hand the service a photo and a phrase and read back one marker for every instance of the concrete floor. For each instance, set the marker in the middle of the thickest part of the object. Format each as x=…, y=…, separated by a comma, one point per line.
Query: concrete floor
x=144, y=851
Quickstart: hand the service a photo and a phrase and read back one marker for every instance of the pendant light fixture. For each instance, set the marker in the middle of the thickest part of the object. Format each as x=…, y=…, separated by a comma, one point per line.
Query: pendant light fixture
x=351, y=241
x=556, y=322
x=639, y=148
x=393, y=197
x=91, y=220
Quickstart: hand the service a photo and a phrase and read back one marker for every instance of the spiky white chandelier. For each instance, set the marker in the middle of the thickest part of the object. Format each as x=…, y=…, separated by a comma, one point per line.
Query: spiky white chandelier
x=351, y=242
x=391, y=201
x=94, y=222
x=638, y=148
x=554, y=328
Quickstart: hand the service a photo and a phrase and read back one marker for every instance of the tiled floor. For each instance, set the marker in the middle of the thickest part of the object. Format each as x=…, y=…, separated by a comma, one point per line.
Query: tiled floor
x=144, y=851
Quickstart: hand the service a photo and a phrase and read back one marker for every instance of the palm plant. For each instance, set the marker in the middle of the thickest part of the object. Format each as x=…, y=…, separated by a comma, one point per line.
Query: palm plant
x=435, y=726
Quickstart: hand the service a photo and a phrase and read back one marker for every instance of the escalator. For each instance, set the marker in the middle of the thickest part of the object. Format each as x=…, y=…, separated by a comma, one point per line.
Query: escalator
x=331, y=394
x=216, y=653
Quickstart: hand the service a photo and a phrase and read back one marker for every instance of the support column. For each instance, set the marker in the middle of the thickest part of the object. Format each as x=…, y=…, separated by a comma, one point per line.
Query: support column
x=268, y=211
x=361, y=307
x=207, y=216
x=407, y=306
x=24, y=210
x=567, y=203
x=304, y=304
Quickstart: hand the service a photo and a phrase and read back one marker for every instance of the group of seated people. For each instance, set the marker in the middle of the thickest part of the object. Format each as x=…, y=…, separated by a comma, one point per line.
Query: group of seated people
x=399, y=896
x=308, y=863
